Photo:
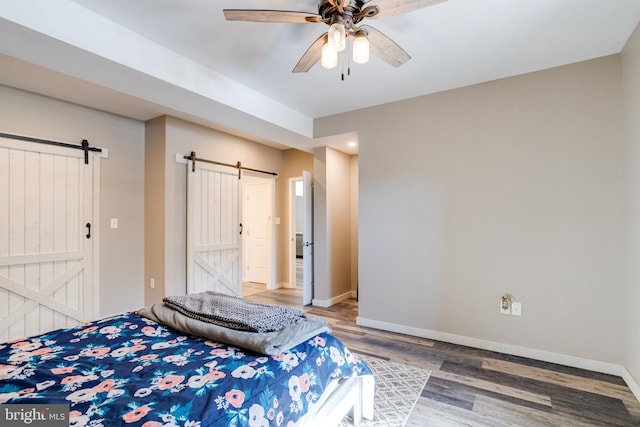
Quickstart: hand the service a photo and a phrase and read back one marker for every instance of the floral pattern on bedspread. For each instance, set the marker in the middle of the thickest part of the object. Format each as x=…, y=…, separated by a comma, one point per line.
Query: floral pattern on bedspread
x=127, y=370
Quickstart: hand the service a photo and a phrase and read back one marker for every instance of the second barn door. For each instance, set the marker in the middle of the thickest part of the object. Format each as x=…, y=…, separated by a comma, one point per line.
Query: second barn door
x=213, y=229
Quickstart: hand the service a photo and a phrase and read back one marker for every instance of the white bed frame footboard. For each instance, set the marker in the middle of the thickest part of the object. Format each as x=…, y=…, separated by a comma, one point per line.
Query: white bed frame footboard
x=351, y=396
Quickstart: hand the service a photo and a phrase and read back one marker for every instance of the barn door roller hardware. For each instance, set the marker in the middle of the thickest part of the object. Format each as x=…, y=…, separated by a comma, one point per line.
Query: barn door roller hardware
x=192, y=157
x=84, y=146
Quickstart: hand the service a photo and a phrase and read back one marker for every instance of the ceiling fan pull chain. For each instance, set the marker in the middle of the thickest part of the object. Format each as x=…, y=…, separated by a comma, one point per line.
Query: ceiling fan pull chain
x=348, y=55
x=348, y=59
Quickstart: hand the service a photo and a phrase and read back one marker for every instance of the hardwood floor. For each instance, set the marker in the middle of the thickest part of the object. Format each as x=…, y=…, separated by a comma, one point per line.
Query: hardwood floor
x=472, y=387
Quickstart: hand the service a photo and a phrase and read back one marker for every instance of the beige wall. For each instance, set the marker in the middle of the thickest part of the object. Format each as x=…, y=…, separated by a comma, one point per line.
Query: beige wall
x=321, y=254
x=514, y=186
x=154, y=207
x=181, y=137
x=121, y=184
x=339, y=221
x=332, y=225
x=353, y=160
x=631, y=90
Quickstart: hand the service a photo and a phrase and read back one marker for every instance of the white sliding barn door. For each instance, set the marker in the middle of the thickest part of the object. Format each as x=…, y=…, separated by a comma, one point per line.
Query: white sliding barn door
x=46, y=259
x=213, y=230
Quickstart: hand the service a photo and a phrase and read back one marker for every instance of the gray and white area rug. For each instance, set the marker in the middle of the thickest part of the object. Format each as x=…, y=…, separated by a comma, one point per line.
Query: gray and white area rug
x=398, y=388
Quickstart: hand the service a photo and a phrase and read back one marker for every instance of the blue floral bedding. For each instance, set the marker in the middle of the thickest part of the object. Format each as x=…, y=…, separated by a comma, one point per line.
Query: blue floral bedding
x=128, y=370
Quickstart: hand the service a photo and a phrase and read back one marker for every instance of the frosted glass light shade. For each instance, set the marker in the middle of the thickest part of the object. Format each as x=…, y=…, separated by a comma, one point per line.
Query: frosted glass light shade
x=337, y=36
x=360, y=50
x=329, y=57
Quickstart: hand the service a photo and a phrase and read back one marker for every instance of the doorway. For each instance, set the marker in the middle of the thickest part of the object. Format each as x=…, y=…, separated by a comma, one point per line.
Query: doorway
x=258, y=210
x=301, y=236
x=297, y=222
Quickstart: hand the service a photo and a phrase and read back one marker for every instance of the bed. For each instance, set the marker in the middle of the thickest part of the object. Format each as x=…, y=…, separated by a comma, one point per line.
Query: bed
x=130, y=370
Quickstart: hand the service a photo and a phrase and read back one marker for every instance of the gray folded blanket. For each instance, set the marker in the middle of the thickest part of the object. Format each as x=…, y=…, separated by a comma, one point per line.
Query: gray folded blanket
x=270, y=343
x=233, y=312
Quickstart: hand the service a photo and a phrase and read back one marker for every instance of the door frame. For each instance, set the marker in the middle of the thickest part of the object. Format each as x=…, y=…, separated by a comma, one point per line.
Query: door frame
x=247, y=177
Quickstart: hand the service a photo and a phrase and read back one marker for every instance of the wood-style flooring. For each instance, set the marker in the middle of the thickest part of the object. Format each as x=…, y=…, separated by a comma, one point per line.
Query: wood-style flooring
x=472, y=387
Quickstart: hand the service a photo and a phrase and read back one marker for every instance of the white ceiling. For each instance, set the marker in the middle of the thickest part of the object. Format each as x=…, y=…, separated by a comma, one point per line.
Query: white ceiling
x=192, y=63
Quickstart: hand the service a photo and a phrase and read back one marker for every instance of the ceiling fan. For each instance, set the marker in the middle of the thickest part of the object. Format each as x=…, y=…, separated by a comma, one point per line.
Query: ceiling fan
x=343, y=18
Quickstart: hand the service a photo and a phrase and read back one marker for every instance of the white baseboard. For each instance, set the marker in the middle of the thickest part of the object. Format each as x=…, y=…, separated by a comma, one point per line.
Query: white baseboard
x=545, y=356
x=335, y=300
x=632, y=383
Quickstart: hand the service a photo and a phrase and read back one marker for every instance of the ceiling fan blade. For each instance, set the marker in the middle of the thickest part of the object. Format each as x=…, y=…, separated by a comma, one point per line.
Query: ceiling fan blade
x=284, y=16
x=399, y=7
x=311, y=56
x=385, y=48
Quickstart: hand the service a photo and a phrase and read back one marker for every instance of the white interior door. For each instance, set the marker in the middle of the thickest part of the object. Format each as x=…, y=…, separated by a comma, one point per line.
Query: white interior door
x=213, y=230
x=257, y=228
x=296, y=228
x=47, y=237
x=307, y=239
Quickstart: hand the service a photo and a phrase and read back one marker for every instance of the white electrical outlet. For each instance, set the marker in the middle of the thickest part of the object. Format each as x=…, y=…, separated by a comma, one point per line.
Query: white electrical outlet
x=516, y=308
x=505, y=310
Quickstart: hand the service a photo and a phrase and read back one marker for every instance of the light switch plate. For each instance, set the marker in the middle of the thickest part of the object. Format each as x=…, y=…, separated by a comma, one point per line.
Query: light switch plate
x=516, y=308
x=114, y=223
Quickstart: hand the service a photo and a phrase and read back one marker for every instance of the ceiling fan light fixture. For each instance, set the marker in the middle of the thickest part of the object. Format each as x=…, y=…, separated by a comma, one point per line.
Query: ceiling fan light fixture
x=361, y=48
x=343, y=18
x=337, y=36
x=329, y=57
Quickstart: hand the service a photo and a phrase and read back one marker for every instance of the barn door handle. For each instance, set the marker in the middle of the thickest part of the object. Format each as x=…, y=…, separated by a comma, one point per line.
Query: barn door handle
x=88, y=230
x=240, y=228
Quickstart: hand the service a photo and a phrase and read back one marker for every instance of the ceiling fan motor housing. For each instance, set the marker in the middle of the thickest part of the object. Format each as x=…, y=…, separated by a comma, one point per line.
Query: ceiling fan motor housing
x=351, y=12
